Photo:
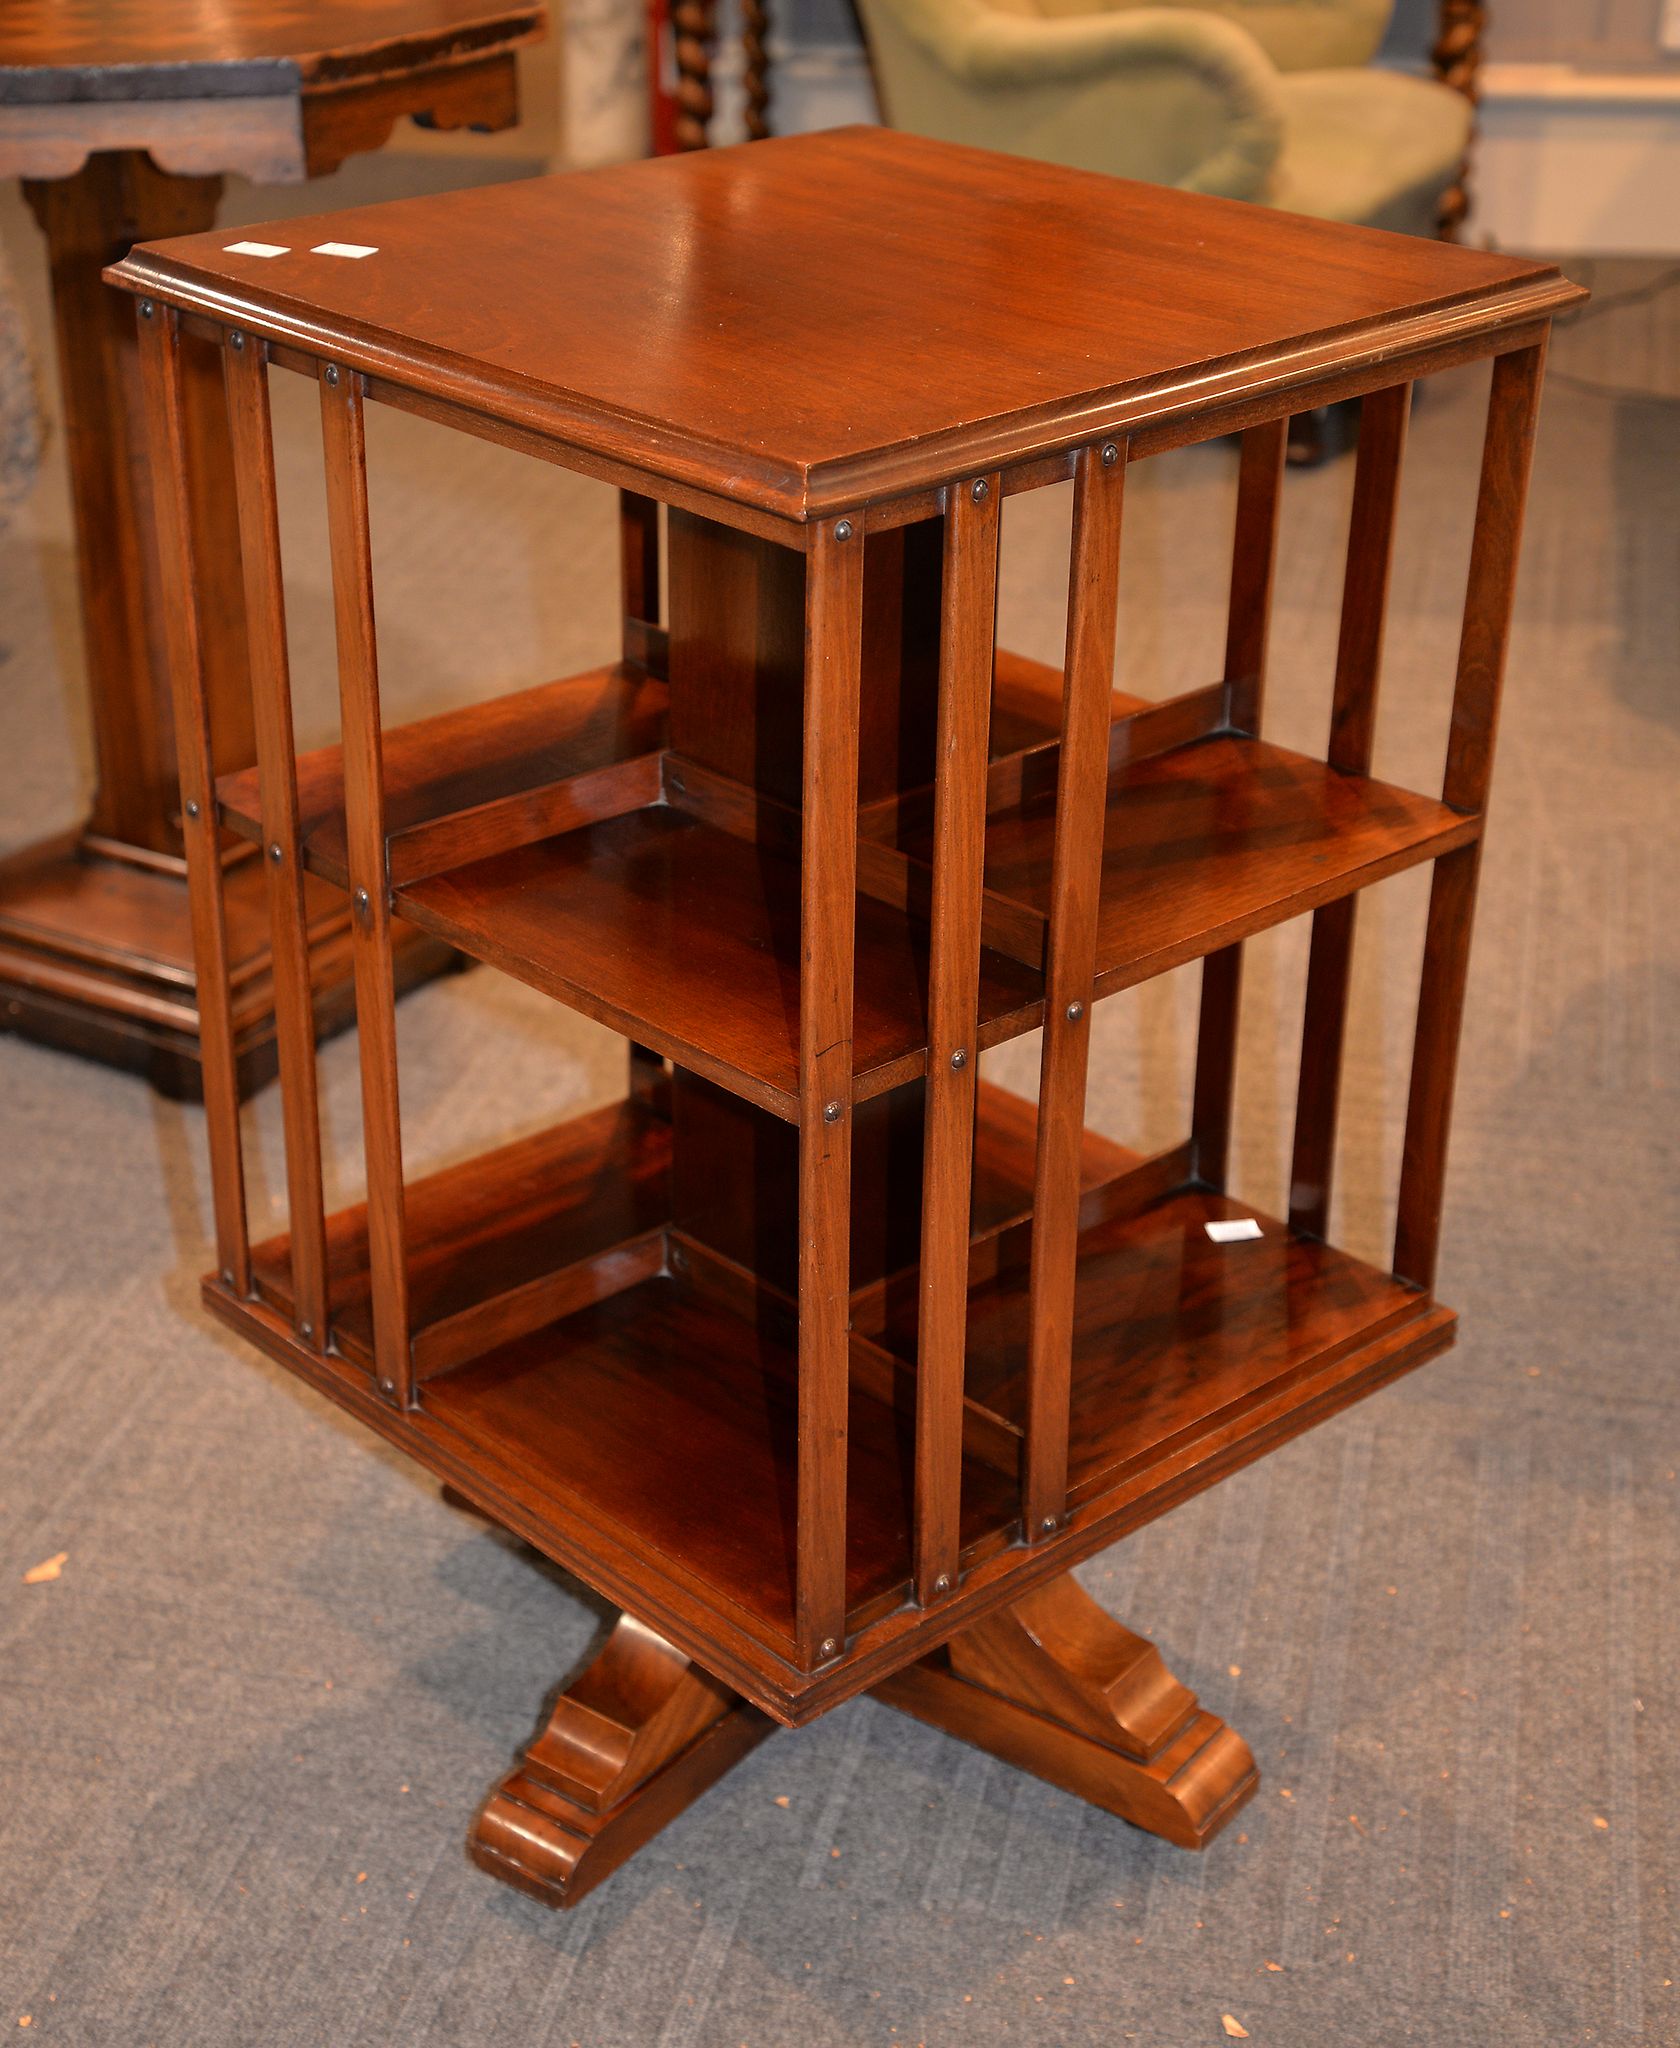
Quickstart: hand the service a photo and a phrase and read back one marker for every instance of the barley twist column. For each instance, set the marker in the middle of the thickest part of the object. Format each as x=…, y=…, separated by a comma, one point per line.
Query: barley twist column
x=1457, y=58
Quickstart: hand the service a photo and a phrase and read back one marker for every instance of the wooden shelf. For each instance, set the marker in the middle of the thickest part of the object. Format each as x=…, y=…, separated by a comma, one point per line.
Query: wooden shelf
x=687, y=939
x=521, y=766
x=504, y=1242
x=664, y=1420
x=1180, y=1342
x=1204, y=844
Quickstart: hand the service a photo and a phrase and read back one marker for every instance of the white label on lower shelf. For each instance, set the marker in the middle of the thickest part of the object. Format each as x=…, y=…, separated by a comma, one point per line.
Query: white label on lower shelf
x=344, y=249
x=255, y=249
x=1233, y=1231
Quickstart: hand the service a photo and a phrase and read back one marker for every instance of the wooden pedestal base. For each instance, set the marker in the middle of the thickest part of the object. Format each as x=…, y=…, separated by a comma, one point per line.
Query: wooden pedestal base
x=636, y=1739
x=96, y=958
x=1052, y=1685
x=1056, y=1686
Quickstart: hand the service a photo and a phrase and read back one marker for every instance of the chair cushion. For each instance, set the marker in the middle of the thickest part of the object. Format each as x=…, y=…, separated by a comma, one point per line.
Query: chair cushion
x=1374, y=147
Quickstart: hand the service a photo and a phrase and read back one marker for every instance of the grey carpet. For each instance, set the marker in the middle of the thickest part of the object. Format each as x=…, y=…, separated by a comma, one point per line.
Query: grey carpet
x=243, y=1731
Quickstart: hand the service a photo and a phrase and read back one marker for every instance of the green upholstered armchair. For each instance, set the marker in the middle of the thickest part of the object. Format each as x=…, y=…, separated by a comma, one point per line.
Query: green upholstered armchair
x=1254, y=99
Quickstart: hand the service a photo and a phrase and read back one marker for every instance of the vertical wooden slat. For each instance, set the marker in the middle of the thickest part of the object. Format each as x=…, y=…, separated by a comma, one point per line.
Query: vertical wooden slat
x=1248, y=622
x=1070, y=975
x=647, y=1074
x=828, y=896
x=1506, y=455
x=161, y=373
x=344, y=435
x=638, y=534
x=1253, y=570
x=251, y=433
x=967, y=636
x=1353, y=715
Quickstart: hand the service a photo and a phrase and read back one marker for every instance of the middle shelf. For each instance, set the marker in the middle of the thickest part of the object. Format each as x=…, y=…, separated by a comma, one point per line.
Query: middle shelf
x=553, y=835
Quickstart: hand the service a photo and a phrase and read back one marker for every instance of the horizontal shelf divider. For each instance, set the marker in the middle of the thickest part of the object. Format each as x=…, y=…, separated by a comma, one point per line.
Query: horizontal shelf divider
x=685, y=937
x=1207, y=840
x=484, y=776
x=504, y=1242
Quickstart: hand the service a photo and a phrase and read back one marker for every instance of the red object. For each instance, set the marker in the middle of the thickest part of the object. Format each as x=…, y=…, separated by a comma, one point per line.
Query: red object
x=662, y=78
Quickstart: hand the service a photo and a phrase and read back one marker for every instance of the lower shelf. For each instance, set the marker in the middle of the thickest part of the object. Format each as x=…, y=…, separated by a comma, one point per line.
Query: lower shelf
x=626, y=1398
x=664, y=1418
x=1178, y=1341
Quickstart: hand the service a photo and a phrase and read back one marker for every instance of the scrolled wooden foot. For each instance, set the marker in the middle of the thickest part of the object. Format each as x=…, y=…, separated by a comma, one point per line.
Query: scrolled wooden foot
x=1055, y=1686
x=630, y=1744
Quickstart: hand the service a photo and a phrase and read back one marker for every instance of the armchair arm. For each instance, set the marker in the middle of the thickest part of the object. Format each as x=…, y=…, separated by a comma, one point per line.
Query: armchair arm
x=1298, y=35
x=1153, y=93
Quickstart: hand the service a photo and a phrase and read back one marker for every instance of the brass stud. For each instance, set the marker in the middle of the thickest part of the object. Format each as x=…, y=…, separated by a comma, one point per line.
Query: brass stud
x=943, y=1583
x=274, y=852
x=236, y=340
x=332, y=373
x=1048, y=1524
x=1074, y=1012
x=1110, y=454
x=959, y=1058
x=831, y=1112
x=306, y=1331
x=981, y=492
x=192, y=807
x=145, y=309
x=843, y=530
x=362, y=900
x=388, y=1388
x=827, y=1647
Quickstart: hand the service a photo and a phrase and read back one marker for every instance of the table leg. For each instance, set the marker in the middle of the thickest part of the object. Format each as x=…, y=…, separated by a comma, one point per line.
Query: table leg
x=95, y=941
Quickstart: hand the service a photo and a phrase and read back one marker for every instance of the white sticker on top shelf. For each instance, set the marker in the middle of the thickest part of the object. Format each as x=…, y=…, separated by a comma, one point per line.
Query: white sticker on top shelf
x=1234, y=1230
x=255, y=249
x=344, y=249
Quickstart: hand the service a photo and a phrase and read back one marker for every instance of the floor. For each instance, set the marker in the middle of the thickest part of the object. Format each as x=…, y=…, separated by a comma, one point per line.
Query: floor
x=243, y=1729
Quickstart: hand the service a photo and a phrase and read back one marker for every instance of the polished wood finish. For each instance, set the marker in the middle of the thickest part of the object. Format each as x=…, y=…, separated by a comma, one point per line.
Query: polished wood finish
x=827, y=962
x=464, y=784
x=122, y=119
x=1070, y=973
x=693, y=23
x=280, y=840
x=755, y=67
x=1507, y=451
x=679, y=933
x=504, y=1243
x=1353, y=716
x=953, y=1061
x=632, y=1741
x=161, y=370
x=1248, y=625
x=853, y=394
x=1057, y=1687
x=1456, y=57
x=818, y=1358
x=343, y=434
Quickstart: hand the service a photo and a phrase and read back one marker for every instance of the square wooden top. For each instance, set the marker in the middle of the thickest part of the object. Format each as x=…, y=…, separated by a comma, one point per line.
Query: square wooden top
x=812, y=323
x=70, y=50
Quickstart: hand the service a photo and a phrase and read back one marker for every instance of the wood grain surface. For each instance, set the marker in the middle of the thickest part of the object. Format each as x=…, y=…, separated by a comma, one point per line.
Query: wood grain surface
x=758, y=321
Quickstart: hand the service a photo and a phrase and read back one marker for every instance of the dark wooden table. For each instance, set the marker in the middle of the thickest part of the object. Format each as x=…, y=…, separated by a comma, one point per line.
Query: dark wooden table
x=123, y=117
x=823, y=1359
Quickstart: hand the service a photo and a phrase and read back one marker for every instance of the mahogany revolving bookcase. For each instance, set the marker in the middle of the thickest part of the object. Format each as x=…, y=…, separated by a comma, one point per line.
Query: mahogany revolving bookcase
x=821, y=1359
